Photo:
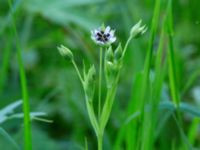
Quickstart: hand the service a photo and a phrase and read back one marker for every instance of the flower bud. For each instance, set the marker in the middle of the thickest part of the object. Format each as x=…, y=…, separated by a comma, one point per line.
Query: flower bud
x=137, y=30
x=65, y=52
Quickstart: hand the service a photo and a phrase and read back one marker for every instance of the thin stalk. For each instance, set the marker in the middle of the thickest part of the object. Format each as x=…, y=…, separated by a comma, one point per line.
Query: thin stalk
x=126, y=45
x=25, y=96
x=100, y=80
x=100, y=142
x=78, y=72
x=92, y=117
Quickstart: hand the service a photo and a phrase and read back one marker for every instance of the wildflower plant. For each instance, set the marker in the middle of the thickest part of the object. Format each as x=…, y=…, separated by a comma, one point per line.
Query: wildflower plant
x=110, y=66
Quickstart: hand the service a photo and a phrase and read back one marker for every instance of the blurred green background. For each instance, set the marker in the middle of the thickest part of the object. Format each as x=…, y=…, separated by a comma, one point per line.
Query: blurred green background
x=53, y=85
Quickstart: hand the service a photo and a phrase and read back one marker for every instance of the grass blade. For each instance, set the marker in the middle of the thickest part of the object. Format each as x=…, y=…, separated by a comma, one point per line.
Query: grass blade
x=146, y=89
x=5, y=66
x=9, y=138
x=171, y=58
x=25, y=96
x=193, y=130
x=191, y=80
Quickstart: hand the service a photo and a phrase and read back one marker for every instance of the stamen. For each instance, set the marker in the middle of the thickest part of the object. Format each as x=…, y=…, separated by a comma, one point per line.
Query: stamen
x=99, y=39
x=99, y=34
x=104, y=36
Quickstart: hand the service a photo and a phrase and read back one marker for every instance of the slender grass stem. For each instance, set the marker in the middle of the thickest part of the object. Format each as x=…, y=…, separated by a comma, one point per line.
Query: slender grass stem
x=77, y=70
x=100, y=80
x=25, y=96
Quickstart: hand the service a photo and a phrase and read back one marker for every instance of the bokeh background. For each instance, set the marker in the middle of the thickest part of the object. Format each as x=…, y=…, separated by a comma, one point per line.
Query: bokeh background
x=53, y=85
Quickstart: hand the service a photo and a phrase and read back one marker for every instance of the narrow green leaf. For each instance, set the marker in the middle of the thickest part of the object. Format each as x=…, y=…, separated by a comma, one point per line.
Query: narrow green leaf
x=183, y=107
x=193, y=131
x=171, y=58
x=191, y=80
x=23, y=82
x=9, y=109
x=144, y=140
x=9, y=138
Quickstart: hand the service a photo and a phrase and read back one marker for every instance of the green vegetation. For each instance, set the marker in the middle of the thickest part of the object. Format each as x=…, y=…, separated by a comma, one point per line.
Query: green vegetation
x=88, y=100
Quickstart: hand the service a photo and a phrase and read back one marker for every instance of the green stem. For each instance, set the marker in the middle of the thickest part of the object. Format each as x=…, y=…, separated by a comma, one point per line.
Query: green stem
x=92, y=116
x=108, y=106
x=78, y=72
x=25, y=97
x=100, y=141
x=100, y=78
x=126, y=45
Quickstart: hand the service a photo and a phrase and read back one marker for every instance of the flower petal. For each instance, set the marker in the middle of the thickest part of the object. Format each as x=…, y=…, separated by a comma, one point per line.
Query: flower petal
x=107, y=30
x=113, y=39
x=100, y=42
x=96, y=31
x=93, y=38
x=112, y=32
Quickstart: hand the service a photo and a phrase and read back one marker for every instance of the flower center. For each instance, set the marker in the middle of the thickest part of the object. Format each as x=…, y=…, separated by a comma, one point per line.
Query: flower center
x=101, y=36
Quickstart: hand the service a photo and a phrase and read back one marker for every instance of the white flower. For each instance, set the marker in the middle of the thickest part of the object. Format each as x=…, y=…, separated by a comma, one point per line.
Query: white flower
x=103, y=36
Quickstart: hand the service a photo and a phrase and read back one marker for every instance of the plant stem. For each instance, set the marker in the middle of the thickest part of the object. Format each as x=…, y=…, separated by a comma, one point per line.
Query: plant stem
x=78, y=72
x=126, y=45
x=100, y=141
x=100, y=78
